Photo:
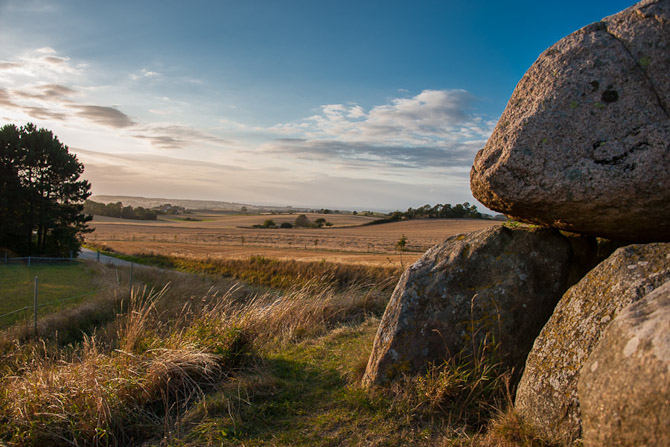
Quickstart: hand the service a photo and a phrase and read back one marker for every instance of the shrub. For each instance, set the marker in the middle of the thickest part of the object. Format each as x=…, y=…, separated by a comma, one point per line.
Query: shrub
x=301, y=221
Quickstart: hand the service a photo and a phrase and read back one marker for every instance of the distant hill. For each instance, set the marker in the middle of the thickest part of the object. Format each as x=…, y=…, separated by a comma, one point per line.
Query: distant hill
x=151, y=202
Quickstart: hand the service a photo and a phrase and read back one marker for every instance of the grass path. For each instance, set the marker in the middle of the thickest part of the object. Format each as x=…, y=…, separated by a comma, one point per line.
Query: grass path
x=304, y=394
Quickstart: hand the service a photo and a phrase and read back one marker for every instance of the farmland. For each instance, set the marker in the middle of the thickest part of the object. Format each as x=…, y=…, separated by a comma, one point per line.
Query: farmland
x=218, y=235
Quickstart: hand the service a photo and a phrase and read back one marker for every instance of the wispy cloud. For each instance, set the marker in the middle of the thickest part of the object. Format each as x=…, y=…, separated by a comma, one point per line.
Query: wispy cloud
x=56, y=60
x=376, y=155
x=6, y=99
x=177, y=136
x=161, y=176
x=105, y=116
x=43, y=113
x=9, y=65
x=63, y=100
x=43, y=64
x=47, y=92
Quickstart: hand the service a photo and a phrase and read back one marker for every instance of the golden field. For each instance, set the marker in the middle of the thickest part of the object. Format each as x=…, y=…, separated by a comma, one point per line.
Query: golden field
x=218, y=235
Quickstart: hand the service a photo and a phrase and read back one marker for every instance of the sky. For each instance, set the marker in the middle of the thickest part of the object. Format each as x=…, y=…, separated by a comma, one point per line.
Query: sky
x=359, y=105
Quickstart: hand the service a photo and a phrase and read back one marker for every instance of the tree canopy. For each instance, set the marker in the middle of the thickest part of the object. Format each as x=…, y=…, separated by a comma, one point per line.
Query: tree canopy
x=41, y=195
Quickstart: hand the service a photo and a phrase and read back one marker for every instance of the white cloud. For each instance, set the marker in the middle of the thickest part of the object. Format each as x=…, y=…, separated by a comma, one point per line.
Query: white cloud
x=145, y=73
x=57, y=99
x=43, y=65
x=435, y=128
x=149, y=74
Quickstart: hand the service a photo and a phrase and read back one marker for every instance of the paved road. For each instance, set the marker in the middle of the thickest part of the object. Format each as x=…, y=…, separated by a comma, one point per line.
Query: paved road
x=91, y=254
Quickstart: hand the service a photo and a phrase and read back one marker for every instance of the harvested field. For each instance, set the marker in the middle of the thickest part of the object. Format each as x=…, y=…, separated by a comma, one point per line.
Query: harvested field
x=233, y=237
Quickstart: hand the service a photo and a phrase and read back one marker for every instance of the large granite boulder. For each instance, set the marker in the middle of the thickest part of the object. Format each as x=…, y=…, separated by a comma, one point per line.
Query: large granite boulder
x=624, y=387
x=547, y=393
x=584, y=143
x=497, y=283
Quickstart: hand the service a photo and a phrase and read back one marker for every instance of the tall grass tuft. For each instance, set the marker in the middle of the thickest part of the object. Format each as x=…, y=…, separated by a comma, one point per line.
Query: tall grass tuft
x=104, y=394
x=462, y=393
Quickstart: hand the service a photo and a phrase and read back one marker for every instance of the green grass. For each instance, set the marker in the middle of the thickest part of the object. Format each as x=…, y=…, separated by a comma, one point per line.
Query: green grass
x=55, y=282
x=305, y=394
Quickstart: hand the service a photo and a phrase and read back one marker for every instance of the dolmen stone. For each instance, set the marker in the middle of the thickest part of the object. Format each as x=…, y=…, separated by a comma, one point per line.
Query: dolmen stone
x=624, y=387
x=497, y=284
x=547, y=396
x=584, y=142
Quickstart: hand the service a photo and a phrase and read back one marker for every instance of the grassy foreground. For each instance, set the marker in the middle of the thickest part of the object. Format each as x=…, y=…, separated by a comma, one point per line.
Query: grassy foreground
x=192, y=360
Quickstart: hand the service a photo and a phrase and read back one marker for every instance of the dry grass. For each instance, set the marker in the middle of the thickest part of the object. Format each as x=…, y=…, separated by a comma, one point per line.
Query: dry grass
x=134, y=379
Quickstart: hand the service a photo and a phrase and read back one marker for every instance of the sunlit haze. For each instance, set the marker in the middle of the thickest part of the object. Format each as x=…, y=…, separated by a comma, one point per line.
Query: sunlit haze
x=342, y=104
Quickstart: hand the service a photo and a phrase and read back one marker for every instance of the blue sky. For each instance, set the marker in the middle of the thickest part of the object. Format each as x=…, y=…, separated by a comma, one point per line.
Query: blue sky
x=340, y=104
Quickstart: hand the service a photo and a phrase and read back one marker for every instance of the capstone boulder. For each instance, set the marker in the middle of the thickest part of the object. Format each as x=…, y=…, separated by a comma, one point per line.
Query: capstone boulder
x=584, y=142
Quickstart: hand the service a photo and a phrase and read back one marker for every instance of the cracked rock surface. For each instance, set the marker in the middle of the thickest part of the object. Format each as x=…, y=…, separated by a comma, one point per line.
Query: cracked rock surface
x=584, y=143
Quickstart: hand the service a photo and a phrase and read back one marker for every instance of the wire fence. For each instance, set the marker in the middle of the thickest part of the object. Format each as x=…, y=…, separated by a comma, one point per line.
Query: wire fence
x=33, y=309
x=27, y=310
x=34, y=259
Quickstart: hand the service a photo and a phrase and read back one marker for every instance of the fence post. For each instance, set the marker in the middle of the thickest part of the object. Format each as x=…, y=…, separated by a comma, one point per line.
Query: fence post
x=35, y=304
x=70, y=255
x=98, y=259
x=131, y=278
x=28, y=261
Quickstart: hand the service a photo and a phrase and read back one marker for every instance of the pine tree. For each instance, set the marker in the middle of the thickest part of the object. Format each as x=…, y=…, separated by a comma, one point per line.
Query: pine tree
x=41, y=196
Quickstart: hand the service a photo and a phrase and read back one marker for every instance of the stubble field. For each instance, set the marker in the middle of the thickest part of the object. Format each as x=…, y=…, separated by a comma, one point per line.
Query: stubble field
x=217, y=235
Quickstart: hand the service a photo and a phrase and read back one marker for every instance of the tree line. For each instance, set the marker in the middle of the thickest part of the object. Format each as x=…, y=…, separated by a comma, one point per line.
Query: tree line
x=459, y=211
x=118, y=210
x=447, y=211
x=301, y=221
x=41, y=195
